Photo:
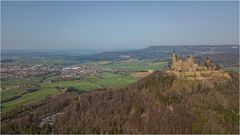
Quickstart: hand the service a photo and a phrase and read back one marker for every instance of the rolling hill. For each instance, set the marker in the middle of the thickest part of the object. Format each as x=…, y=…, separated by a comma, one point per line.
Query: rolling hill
x=227, y=55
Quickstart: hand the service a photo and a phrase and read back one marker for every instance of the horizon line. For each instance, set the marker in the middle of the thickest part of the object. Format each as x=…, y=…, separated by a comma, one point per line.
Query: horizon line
x=118, y=48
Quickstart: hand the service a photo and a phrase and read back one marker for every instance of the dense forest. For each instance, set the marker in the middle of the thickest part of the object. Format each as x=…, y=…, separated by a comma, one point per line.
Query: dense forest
x=156, y=104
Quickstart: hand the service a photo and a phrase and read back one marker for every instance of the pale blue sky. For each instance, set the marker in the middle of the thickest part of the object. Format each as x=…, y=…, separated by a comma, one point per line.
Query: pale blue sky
x=117, y=25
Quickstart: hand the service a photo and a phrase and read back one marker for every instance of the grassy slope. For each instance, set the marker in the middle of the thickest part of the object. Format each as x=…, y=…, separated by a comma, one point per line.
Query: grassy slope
x=7, y=94
x=113, y=80
x=29, y=98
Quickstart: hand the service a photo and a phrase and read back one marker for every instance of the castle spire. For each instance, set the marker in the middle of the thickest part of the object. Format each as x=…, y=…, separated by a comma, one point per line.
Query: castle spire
x=174, y=59
x=174, y=54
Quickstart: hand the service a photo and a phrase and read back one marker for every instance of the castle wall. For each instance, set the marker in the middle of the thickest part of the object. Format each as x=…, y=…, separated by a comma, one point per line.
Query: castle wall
x=200, y=74
x=184, y=65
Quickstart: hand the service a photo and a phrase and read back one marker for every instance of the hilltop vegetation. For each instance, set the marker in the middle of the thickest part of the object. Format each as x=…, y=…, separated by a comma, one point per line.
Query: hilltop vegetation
x=156, y=104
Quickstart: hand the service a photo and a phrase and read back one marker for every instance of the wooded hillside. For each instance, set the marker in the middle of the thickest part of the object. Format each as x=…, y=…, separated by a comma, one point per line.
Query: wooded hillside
x=155, y=104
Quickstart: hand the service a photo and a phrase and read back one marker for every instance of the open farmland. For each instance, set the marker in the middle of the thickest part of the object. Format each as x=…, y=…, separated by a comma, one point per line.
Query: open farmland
x=138, y=65
x=29, y=98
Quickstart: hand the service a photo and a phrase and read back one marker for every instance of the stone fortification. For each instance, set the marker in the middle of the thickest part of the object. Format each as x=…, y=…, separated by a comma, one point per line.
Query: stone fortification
x=188, y=68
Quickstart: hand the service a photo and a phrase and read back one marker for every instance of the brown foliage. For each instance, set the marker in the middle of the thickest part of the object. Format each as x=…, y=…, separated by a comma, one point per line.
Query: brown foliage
x=144, y=107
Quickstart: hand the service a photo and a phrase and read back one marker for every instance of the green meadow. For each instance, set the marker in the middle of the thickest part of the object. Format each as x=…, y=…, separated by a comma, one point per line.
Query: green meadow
x=29, y=98
x=138, y=65
x=102, y=80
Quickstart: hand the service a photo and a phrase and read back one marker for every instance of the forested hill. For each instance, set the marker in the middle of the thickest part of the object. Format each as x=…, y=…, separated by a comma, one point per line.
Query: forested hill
x=155, y=104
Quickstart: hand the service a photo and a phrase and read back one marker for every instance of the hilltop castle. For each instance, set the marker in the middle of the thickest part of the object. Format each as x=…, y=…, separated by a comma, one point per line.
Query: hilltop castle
x=188, y=68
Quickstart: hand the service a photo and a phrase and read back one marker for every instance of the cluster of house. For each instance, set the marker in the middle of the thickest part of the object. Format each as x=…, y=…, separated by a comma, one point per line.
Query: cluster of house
x=82, y=71
x=23, y=71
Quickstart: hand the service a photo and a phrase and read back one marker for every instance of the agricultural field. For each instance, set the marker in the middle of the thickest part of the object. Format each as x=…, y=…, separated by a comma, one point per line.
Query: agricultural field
x=138, y=65
x=103, y=80
x=10, y=82
x=30, y=98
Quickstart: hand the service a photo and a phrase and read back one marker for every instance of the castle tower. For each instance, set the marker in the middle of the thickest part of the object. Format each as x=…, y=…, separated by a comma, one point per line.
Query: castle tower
x=208, y=63
x=174, y=59
x=174, y=56
x=191, y=59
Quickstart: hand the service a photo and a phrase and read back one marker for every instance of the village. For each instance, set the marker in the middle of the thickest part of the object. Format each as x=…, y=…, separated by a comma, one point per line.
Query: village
x=25, y=71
